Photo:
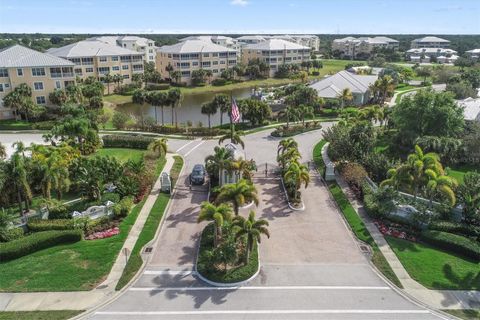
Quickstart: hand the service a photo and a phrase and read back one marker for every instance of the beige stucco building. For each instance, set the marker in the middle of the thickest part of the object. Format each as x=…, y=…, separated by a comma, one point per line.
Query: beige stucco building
x=194, y=54
x=353, y=47
x=97, y=58
x=430, y=42
x=134, y=43
x=42, y=72
x=276, y=52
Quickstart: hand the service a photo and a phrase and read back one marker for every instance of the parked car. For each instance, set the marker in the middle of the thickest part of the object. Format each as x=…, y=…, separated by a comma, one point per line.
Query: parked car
x=198, y=174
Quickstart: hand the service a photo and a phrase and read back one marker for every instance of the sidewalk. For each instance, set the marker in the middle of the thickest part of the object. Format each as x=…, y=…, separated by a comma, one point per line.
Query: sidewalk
x=437, y=299
x=83, y=300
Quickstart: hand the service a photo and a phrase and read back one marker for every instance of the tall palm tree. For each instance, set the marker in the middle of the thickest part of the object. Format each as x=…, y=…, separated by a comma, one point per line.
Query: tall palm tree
x=218, y=214
x=218, y=162
x=159, y=146
x=108, y=78
x=209, y=108
x=290, y=114
x=440, y=184
x=222, y=102
x=252, y=230
x=234, y=138
x=174, y=97
x=20, y=181
x=305, y=111
x=286, y=158
x=298, y=174
x=238, y=194
x=345, y=96
x=242, y=167
x=140, y=97
x=286, y=144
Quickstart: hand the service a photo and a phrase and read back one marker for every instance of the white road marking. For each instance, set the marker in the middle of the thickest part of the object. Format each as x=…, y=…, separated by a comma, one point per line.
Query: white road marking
x=198, y=145
x=185, y=145
x=257, y=288
x=170, y=272
x=215, y=312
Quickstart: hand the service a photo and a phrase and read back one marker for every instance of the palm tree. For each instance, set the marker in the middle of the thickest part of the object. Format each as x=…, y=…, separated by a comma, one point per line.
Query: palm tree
x=299, y=175
x=305, y=111
x=384, y=86
x=209, y=108
x=290, y=113
x=440, y=184
x=288, y=156
x=20, y=181
x=222, y=103
x=242, y=168
x=345, y=96
x=174, y=97
x=218, y=161
x=252, y=230
x=238, y=194
x=118, y=79
x=108, y=78
x=169, y=69
x=159, y=146
x=3, y=151
x=140, y=97
x=234, y=138
x=286, y=144
x=218, y=214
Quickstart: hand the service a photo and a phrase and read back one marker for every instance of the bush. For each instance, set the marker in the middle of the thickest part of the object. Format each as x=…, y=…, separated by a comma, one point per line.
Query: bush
x=452, y=242
x=124, y=141
x=43, y=125
x=122, y=208
x=58, y=211
x=457, y=228
x=315, y=73
x=11, y=234
x=159, y=86
x=219, y=82
x=100, y=224
x=110, y=196
x=120, y=120
x=38, y=225
x=37, y=241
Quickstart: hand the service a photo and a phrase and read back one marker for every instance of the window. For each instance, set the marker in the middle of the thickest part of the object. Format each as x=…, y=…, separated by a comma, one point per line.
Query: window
x=206, y=64
x=185, y=65
x=206, y=55
x=56, y=72
x=103, y=59
x=185, y=73
x=41, y=100
x=38, y=86
x=138, y=67
x=38, y=72
x=3, y=73
x=103, y=70
x=114, y=58
x=115, y=68
x=58, y=84
x=215, y=63
x=222, y=61
x=126, y=76
x=150, y=57
x=1, y=87
x=195, y=63
x=78, y=71
x=150, y=51
x=215, y=71
x=88, y=70
x=20, y=72
x=125, y=67
x=87, y=61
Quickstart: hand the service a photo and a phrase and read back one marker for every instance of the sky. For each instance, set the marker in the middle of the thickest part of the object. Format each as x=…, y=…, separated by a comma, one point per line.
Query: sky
x=241, y=16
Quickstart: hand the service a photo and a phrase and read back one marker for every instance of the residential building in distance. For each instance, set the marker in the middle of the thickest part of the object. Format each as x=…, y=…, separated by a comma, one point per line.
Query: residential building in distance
x=42, y=72
x=363, y=46
x=98, y=58
x=332, y=86
x=194, y=54
x=275, y=52
x=251, y=39
x=134, y=43
x=306, y=40
x=473, y=54
x=425, y=55
x=429, y=42
x=228, y=42
x=471, y=108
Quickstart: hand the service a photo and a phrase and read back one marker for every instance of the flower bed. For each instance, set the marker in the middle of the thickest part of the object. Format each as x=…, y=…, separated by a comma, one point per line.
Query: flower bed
x=103, y=234
x=394, y=230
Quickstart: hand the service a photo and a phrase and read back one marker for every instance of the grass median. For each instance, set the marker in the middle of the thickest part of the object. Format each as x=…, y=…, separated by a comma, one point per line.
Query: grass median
x=39, y=315
x=149, y=230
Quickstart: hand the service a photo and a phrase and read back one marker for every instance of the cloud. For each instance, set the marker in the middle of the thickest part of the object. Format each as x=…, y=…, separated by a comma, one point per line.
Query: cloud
x=241, y=3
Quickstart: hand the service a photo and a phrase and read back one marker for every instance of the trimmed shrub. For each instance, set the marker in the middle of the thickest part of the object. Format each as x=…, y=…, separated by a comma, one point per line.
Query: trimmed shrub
x=457, y=228
x=37, y=241
x=124, y=141
x=452, y=242
x=100, y=224
x=58, y=212
x=11, y=234
x=219, y=82
x=122, y=208
x=110, y=196
x=157, y=86
x=38, y=225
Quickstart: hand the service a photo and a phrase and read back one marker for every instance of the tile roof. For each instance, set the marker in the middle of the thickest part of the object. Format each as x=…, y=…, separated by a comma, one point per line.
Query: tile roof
x=194, y=46
x=471, y=109
x=332, y=86
x=19, y=56
x=90, y=48
x=275, y=44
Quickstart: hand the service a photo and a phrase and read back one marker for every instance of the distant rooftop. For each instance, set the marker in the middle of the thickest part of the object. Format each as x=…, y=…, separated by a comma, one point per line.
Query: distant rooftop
x=431, y=39
x=19, y=56
x=379, y=39
x=90, y=48
x=275, y=44
x=194, y=46
x=332, y=86
x=471, y=109
x=432, y=50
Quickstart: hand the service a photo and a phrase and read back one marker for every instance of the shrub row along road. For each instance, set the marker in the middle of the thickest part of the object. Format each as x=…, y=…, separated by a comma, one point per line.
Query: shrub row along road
x=312, y=267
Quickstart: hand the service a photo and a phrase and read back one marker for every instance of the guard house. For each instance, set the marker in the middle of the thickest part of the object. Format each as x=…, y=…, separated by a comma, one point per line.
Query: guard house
x=227, y=176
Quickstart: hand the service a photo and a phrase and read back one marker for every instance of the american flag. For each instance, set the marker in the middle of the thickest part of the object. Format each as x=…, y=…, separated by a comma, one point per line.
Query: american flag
x=235, y=112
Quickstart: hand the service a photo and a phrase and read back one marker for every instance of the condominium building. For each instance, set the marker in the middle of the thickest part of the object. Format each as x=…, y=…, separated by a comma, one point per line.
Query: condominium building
x=134, y=43
x=425, y=55
x=429, y=42
x=194, y=54
x=473, y=54
x=97, y=58
x=224, y=41
x=41, y=71
x=276, y=52
x=251, y=39
x=305, y=40
x=363, y=46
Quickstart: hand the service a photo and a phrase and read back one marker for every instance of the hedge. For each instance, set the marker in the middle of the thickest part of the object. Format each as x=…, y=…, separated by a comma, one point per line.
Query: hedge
x=455, y=227
x=38, y=225
x=37, y=241
x=452, y=242
x=127, y=141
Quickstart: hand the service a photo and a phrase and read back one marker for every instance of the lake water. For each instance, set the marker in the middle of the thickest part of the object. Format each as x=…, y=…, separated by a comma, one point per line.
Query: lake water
x=189, y=109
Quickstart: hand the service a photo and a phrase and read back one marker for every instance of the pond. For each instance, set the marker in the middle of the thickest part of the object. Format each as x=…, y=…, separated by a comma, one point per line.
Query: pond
x=189, y=109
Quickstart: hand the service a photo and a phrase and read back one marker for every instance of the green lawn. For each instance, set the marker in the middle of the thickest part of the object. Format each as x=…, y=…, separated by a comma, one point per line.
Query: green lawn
x=15, y=125
x=117, y=99
x=148, y=232
x=122, y=154
x=467, y=314
x=39, y=315
x=361, y=232
x=434, y=268
x=459, y=171
x=317, y=156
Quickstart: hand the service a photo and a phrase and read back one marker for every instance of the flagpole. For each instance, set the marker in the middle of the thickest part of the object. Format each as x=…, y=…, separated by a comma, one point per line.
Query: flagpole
x=231, y=114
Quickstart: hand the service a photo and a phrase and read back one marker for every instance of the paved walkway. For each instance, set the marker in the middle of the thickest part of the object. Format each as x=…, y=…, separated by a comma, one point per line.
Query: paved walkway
x=82, y=300
x=437, y=299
